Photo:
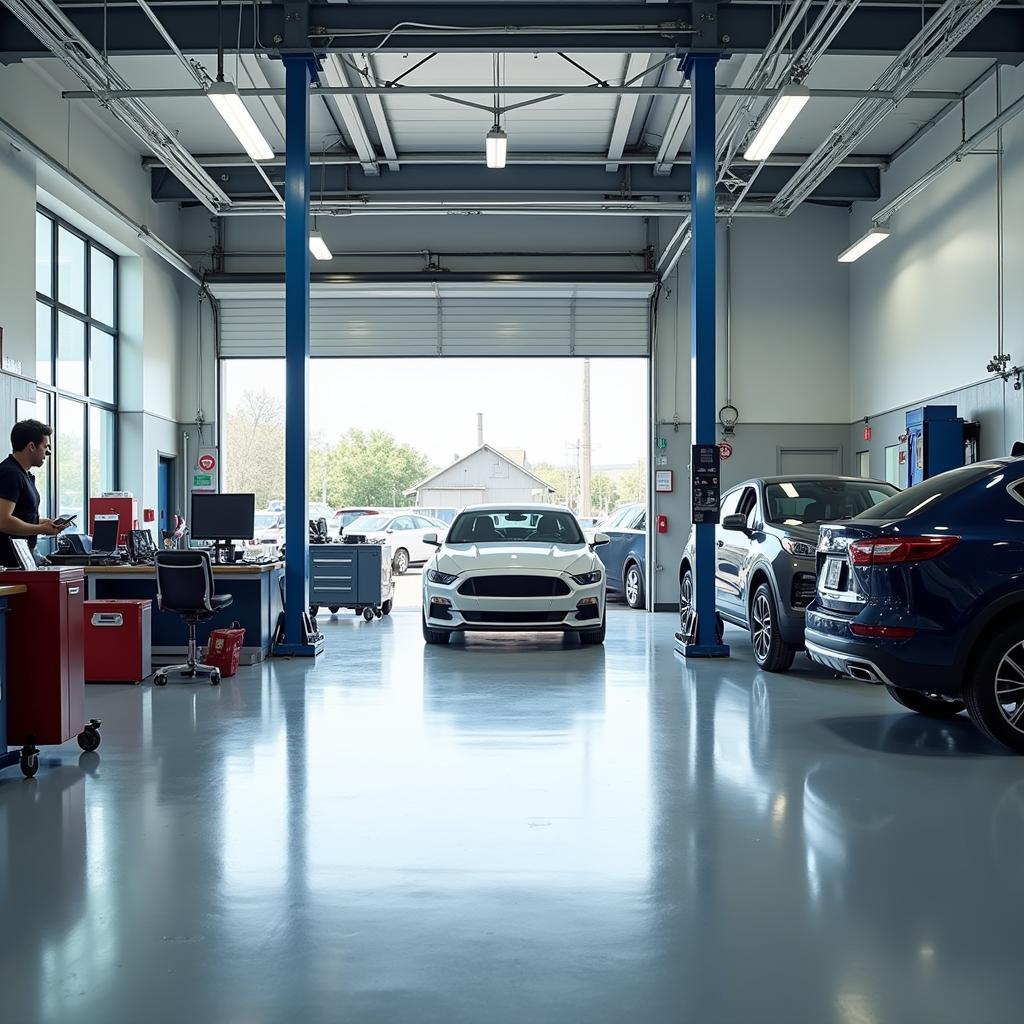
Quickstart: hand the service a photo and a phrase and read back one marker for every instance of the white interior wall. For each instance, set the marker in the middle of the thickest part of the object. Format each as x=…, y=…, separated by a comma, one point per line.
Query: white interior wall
x=150, y=291
x=924, y=309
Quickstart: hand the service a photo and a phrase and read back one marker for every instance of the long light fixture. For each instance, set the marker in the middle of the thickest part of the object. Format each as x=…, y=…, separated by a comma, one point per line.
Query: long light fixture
x=224, y=96
x=864, y=244
x=497, y=148
x=784, y=111
x=318, y=247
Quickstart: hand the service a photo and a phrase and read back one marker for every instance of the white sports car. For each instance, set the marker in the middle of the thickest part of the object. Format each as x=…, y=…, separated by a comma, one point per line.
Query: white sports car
x=514, y=567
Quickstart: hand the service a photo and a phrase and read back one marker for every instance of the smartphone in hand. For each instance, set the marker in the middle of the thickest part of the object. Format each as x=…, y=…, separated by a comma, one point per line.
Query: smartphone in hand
x=64, y=523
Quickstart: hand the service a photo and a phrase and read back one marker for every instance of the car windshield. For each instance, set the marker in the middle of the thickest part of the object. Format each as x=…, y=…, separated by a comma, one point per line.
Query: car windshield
x=364, y=523
x=926, y=493
x=499, y=526
x=801, y=502
x=344, y=518
x=267, y=520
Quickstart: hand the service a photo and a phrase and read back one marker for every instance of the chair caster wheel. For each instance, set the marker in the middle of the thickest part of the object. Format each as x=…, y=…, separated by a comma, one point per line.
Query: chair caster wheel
x=159, y=679
x=89, y=738
x=215, y=679
x=368, y=614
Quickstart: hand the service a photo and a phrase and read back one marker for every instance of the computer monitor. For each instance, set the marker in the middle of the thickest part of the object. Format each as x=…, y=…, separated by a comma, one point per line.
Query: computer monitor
x=104, y=534
x=223, y=516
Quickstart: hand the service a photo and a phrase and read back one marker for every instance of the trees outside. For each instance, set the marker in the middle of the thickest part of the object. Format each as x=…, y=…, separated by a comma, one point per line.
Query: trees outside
x=632, y=485
x=361, y=468
x=558, y=477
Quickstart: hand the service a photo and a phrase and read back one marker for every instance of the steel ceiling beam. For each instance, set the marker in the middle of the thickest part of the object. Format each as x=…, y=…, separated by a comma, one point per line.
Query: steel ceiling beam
x=636, y=63
x=336, y=74
x=518, y=158
x=379, y=115
x=515, y=26
x=469, y=182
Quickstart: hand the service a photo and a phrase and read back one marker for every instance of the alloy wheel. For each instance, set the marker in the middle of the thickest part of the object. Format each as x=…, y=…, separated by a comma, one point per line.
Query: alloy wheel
x=761, y=623
x=632, y=585
x=1009, y=686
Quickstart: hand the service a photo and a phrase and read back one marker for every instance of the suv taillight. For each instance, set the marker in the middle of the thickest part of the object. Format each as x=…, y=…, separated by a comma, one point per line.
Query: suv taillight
x=899, y=550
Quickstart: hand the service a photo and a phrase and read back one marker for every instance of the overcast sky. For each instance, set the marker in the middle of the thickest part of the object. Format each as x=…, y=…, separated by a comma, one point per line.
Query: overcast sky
x=536, y=404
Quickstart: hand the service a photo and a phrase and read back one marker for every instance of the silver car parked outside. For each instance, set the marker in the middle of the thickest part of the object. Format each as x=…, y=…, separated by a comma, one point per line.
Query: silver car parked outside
x=765, y=550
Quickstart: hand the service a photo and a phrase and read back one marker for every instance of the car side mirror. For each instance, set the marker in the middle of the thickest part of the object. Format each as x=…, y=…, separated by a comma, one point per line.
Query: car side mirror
x=431, y=539
x=599, y=539
x=737, y=522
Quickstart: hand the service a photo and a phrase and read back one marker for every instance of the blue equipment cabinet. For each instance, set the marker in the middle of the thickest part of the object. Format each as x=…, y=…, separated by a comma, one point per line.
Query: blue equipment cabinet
x=350, y=576
x=935, y=442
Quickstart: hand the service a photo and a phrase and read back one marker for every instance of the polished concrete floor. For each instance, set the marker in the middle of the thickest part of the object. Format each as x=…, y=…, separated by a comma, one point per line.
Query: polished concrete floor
x=513, y=830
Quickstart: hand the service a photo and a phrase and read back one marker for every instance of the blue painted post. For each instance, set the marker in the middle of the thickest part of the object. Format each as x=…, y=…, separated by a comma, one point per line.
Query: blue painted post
x=298, y=71
x=700, y=70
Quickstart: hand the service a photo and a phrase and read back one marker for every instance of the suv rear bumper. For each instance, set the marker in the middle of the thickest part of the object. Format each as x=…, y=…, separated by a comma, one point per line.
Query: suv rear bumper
x=896, y=663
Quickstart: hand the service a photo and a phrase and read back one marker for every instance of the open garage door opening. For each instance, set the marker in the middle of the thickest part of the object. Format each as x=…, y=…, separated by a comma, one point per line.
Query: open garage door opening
x=432, y=436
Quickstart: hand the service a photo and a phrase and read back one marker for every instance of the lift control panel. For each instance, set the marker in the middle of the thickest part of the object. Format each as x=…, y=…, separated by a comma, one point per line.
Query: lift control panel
x=705, y=483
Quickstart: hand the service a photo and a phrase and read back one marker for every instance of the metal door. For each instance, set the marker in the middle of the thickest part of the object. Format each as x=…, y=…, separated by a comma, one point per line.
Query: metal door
x=810, y=461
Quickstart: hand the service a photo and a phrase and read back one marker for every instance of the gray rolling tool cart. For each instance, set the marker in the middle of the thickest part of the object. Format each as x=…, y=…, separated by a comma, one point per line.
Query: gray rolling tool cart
x=354, y=576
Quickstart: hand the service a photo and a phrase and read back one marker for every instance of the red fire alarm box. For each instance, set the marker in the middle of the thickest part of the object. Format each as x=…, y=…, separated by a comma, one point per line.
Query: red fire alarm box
x=118, y=637
x=867, y=433
x=662, y=524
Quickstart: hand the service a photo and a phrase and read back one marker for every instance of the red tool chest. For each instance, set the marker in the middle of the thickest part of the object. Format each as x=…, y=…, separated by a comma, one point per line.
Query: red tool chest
x=126, y=509
x=45, y=678
x=118, y=640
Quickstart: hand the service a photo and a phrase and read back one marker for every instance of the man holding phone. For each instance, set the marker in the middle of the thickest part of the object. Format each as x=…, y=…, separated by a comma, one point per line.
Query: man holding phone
x=19, y=499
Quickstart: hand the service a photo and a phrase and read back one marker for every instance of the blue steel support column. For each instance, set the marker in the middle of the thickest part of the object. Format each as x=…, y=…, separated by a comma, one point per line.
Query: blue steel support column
x=700, y=70
x=298, y=74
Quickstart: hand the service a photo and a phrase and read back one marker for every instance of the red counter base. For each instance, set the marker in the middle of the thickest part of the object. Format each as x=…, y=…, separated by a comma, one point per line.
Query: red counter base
x=118, y=640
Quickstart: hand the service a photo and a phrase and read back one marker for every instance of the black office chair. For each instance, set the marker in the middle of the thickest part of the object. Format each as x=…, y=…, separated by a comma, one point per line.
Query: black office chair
x=184, y=585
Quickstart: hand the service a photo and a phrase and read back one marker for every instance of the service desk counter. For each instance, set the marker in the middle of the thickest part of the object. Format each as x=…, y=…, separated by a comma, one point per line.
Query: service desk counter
x=256, y=593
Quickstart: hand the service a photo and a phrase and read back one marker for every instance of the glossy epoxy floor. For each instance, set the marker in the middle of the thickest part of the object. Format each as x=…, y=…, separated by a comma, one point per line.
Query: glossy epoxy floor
x=512, y=831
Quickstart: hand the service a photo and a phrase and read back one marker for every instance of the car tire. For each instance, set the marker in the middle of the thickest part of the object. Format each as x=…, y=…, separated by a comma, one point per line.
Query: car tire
x=771, y=652
x=688, y=614
x=400, y=563
x=434, y=636
x=926, y=704
x=594, y=636
x=991, y=687
x=633, y=586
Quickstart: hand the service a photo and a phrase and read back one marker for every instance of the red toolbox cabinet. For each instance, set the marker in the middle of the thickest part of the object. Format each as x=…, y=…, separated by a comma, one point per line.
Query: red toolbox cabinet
x=45, y=665
x=126, y=509
x=118, y=640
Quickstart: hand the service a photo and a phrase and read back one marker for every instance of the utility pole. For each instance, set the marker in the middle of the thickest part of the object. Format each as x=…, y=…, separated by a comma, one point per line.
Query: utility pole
x=586, y=505
x=479, y=430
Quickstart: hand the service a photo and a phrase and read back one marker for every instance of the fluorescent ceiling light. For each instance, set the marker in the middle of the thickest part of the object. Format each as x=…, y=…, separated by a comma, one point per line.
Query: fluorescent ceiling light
x=318, y=247
x=497, y=148
x=788, y=104
x=224, y=96
x=864, y=244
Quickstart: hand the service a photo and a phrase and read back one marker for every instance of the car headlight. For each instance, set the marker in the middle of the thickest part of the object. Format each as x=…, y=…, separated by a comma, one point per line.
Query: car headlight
x=800, y=548
x=444, y=578
x=586, y=578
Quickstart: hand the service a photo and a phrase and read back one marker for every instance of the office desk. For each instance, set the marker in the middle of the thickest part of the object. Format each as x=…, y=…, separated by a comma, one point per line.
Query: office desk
x=257, y=602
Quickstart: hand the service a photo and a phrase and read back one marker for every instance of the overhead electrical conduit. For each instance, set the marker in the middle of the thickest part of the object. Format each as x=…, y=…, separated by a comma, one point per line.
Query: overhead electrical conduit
x=55, y=30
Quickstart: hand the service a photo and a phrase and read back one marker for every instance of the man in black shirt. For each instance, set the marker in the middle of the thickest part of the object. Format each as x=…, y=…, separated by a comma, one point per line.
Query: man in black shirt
x=19, y=499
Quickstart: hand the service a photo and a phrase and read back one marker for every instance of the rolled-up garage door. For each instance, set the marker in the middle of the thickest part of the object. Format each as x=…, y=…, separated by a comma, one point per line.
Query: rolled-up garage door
x=442, y=320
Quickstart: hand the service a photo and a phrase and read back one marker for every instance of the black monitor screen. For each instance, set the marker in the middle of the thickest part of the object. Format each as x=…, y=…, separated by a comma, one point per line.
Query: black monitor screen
x=104, y=534
x=223, y=516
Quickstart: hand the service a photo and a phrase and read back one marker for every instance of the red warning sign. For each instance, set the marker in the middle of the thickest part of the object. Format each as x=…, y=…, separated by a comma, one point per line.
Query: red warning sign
x=725, y=450
x=207, y=463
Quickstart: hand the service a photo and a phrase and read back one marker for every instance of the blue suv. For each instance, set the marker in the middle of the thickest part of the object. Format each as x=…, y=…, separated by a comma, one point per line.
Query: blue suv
x=924, y=594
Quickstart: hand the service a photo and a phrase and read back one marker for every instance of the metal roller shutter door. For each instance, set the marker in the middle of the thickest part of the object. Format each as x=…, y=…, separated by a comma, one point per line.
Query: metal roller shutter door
x=491, y=322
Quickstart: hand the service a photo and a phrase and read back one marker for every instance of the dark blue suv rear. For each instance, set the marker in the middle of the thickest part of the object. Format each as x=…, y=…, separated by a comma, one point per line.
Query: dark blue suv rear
x=924, y=593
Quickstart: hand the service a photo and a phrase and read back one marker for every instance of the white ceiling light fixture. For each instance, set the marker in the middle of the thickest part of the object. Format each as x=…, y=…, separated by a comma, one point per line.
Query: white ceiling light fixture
x=865, y=244
x=318, y=247
x=497, y=148
x=224, y=96
x=784, y=111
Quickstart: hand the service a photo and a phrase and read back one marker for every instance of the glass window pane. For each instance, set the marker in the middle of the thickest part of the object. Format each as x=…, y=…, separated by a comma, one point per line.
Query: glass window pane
x=101, y=284
x=44, y=255
x=101, y=450
x=44, y=343
x=71, y=458
x=70, y=354
x=43, y=476
x=70, y=269
x=101, y=365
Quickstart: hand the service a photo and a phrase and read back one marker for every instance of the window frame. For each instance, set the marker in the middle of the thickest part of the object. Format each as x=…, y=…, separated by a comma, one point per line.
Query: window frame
x=89, y=323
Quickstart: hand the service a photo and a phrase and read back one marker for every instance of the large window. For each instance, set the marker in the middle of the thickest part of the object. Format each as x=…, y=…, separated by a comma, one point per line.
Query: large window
x=76, y=365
